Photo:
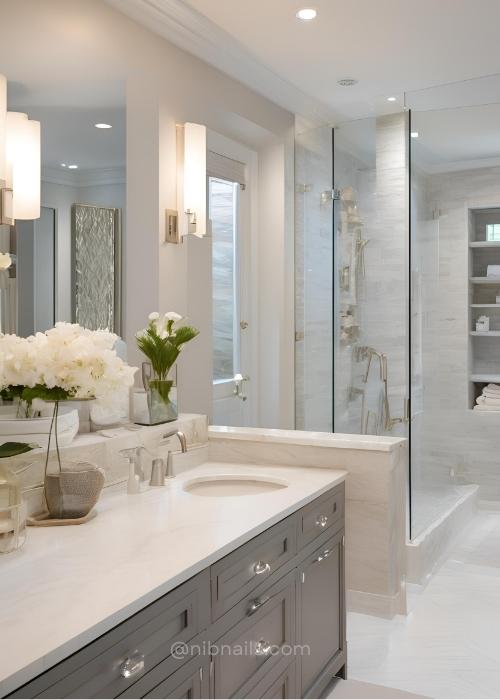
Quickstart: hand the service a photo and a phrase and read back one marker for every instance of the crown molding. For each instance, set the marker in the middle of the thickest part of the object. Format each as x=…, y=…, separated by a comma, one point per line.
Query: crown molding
x=84, y=178
x=191, y=31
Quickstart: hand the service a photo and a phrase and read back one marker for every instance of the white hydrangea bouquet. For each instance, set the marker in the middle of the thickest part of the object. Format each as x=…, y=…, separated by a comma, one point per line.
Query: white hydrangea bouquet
x=65, y=362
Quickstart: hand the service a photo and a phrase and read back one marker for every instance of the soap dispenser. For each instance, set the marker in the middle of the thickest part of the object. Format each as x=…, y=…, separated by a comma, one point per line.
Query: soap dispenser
x=135, y=473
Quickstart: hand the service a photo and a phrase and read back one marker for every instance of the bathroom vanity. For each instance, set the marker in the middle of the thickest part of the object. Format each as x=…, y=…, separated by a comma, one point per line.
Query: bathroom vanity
x=265, y=619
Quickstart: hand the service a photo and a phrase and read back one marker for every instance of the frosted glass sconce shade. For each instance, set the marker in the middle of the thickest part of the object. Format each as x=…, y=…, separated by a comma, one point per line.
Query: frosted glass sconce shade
x=192, y=179
x=23, y=165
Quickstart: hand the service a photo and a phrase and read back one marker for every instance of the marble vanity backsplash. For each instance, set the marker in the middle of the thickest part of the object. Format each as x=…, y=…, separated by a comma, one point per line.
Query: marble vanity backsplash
x=102, y=449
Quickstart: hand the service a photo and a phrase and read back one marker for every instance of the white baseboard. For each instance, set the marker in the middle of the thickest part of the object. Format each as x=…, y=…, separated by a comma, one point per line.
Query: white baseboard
x=376, y=603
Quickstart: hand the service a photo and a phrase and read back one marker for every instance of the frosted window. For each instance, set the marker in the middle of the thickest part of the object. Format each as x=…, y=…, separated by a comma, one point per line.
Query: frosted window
x=493, y=232
x=223, y=215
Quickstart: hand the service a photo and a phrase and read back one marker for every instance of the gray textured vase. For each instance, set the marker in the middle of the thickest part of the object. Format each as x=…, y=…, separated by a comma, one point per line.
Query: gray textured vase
x=73, y=494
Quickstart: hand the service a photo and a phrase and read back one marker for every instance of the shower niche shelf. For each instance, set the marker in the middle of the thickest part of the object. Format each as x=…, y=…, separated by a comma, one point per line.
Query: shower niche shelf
x=484, y=244
x=486, y=334
x=485, y=378
x=484, y=346
x=485, y=306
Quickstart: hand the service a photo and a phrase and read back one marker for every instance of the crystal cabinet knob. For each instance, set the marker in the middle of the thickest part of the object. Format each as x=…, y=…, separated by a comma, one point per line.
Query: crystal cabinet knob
x=132, y=666
x=263, y=648
x=261, y=567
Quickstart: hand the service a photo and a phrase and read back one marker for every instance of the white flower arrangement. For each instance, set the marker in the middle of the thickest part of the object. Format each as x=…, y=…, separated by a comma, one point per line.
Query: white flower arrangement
x=65, y=362
x=163, y=340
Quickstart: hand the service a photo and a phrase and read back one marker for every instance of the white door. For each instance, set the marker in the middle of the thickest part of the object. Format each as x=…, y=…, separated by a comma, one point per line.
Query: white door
x=232, y=385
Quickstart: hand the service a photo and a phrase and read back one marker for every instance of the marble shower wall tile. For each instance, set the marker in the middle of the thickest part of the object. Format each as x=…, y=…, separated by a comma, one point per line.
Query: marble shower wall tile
x=452, y=444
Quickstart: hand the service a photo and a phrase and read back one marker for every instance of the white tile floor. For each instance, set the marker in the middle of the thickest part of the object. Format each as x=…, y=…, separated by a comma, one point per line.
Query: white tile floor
x=449, y=644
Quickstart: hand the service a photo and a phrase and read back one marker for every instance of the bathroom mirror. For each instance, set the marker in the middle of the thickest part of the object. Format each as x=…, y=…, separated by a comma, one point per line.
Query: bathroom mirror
x=67, y=264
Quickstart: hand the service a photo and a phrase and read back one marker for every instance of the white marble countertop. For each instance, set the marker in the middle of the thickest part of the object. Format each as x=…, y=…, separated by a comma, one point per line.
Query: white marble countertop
x=374, y=443
x=68, y=585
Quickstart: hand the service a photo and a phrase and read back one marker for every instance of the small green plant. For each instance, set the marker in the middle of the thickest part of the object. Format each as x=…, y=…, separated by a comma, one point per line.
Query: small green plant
x=162, y=342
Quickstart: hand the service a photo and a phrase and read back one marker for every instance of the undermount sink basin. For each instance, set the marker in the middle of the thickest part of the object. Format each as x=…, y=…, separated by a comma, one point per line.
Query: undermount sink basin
x=217, y=485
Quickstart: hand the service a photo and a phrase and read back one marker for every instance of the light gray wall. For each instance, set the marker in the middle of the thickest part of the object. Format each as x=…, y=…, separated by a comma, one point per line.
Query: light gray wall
x=166, y=86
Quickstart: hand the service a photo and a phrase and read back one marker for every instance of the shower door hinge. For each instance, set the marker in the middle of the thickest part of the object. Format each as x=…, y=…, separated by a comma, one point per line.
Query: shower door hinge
x=407, y=411
x=330, y=195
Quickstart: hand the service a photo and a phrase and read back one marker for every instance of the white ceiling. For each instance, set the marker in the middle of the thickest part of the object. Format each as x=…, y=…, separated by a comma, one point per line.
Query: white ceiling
x=429, y=54
x=67, y=117
x=389, y=46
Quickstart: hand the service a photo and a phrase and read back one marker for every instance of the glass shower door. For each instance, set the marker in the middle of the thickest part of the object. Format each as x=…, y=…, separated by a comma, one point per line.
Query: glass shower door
x=370, y=281
x=314, y=280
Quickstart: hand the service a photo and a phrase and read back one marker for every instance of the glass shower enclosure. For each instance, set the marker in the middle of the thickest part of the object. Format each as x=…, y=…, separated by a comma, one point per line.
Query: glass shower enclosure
x=395, y=238
x=352, y=289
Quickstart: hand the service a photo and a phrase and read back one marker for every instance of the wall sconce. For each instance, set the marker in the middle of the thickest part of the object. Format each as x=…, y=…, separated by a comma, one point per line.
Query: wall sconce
x=19, y=163
x=191, y=181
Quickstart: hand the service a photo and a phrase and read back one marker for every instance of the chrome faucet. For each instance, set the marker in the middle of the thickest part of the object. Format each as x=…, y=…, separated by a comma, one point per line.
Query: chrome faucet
x=170, y=460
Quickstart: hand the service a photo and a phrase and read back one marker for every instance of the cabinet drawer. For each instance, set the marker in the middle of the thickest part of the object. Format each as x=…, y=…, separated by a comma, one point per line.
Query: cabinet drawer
x=255, y=645
x=320, y=515
x=107, y=667
x=190, y=681
x=235, y=576
x=277, y=684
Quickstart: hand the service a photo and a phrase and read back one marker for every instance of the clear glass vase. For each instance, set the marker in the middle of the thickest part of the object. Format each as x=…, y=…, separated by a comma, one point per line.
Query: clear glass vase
x=162, y=401
x=161, y=398
x=12, y=510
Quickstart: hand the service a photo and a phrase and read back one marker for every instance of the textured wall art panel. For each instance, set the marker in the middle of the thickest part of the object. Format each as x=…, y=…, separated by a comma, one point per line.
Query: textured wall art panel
x=95, y=253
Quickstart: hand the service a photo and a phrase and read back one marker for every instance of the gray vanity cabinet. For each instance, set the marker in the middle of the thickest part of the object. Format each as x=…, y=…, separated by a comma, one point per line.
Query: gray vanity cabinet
x=321, y=615
x=190, y=681
x=108, y=666
x=265, y=621
x=257, y=642
x=278, y=683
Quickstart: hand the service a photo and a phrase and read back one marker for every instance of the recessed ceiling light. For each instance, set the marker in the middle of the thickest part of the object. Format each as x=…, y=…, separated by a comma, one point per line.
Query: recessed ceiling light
x=306, y=14
x=391, y=99
x=73, y=167
x=101, y=125
x=347, y=82
x=63, y=165
x=414, y=134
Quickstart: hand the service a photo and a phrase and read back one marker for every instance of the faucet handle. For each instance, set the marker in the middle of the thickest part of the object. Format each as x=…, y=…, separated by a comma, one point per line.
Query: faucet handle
x=157, y=472
x=170, y=466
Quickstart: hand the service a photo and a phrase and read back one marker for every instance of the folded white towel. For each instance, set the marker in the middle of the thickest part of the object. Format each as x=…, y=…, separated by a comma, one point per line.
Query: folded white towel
x=493, y=388
x=484, y=407
x=488, y=401
x=492, y=395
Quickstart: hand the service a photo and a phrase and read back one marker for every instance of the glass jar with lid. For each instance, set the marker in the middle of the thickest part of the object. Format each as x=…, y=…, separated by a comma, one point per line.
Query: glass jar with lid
x=12, y=506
